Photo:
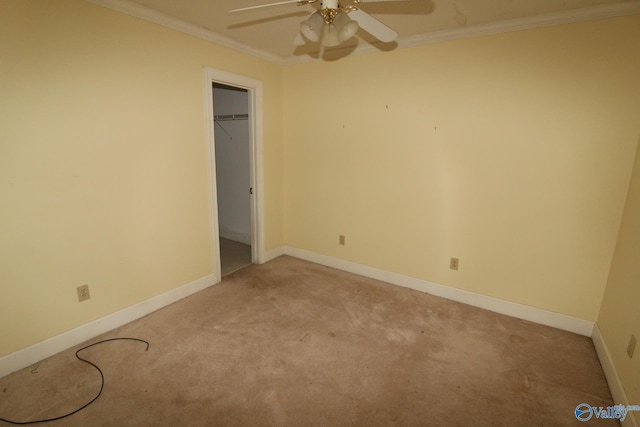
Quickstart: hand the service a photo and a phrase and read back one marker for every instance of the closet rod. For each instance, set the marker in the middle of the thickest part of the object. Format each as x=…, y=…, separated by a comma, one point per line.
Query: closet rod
x=227, y=117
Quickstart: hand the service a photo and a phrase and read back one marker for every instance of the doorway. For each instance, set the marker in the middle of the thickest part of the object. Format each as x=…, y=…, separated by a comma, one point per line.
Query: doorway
x=234, y=118
x=233, y=176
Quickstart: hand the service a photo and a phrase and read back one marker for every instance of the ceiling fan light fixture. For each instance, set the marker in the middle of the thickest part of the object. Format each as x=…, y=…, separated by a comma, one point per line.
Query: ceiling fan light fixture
x=346, y=26
x=312, y=27
x=330, y=36
x=340, y=30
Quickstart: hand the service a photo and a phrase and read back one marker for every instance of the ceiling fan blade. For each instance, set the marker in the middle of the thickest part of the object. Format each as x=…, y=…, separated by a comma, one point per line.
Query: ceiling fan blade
x=372, y=26
x=280, y=3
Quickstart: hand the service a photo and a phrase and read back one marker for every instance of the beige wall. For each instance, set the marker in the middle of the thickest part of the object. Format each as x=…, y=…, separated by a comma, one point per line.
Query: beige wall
x=103, y=162
x=512, y=152
x=619, y=316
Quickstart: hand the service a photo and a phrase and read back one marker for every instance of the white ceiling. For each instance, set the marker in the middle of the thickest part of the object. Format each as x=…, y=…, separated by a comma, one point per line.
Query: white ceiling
x=269, y=32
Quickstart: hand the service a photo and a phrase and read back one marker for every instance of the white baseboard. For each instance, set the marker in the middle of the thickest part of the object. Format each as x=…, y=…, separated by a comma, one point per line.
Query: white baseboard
x=32, y=354
x=521, y=311
x=272, y=254
x=613, y=379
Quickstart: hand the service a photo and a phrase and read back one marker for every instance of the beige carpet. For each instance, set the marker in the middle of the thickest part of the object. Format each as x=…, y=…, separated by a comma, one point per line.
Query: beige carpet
x=291, y=343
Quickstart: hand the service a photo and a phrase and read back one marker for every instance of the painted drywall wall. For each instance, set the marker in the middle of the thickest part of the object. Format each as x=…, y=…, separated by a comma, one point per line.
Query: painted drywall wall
x=619, y=316
x=511, y=152
x=104, y=173
x=233, y=166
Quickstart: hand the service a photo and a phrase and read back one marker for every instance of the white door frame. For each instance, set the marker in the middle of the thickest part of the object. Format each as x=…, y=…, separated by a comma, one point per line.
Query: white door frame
x=254, y=89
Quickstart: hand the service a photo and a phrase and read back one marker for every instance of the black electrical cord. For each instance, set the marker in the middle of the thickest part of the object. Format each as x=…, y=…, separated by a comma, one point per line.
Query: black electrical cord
x=92, y=400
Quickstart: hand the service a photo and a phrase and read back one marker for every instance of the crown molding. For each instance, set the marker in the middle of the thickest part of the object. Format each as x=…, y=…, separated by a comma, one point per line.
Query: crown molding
x=538, y=21
x=150, y=15
x=546, y=20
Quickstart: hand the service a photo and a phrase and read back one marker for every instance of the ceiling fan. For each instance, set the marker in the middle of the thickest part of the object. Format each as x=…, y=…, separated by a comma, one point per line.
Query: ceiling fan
x=332, y=24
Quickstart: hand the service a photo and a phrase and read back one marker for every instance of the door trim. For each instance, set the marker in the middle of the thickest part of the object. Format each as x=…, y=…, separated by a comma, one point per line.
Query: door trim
x=254, y=89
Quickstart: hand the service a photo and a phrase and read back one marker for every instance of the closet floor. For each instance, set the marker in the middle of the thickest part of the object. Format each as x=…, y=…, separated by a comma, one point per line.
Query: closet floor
x=234, y=255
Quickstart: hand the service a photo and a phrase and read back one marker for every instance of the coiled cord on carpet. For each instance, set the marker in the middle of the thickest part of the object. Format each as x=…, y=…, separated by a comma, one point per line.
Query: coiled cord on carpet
x=97, y=395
